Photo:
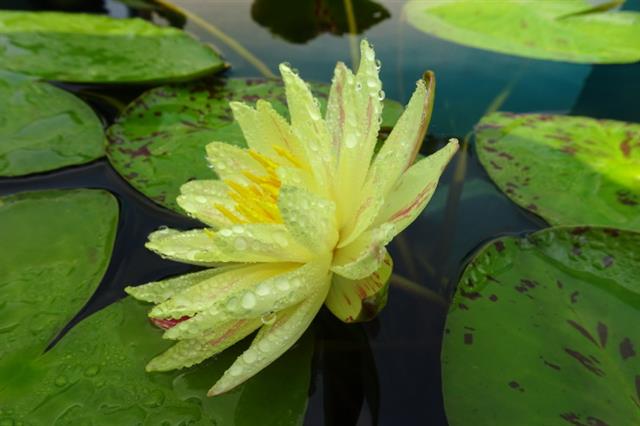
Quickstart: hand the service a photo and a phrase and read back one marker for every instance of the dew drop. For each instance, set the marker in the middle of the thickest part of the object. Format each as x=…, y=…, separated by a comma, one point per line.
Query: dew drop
x=91, y=371
x=226, y=232
x=163, y=228
x=283, y=285
x=240, y=244
x=248, y=300
x=358, y=86
x=381, y=95
x=60, y=381
x=268, y=318
x=200, y=199
x=263, y=289
x=264, y=345
x=281, y=240
x=351, y=140
x=237, y=229
x=235, y=370
x=371, y=83
x=249, y=356
x=378, y=64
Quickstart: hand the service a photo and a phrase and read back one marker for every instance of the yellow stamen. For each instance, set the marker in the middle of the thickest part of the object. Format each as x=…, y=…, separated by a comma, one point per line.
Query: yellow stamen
x=232, y=217
x=263, y=159
x=286, y=154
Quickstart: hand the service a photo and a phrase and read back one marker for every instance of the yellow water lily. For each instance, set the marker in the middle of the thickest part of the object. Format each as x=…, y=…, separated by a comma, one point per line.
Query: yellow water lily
x=299, y=219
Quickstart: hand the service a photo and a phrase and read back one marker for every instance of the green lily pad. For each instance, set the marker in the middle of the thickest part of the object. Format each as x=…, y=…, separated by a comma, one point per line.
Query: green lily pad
x=44, y=128
x=95, y=375
x=158, y=143
x=543, y=330
x=569, y=170
x=99, y=49
x=568, y=30
x=55, y=248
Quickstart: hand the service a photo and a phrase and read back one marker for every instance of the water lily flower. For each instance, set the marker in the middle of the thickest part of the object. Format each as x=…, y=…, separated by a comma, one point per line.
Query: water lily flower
x=299, y=219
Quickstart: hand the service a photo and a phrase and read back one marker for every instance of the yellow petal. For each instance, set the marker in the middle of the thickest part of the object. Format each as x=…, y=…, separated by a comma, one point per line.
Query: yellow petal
x=255, y=242
x=268, y=132
x=229, y=161
x=253, y=298
x=353, y=117
x=159, y=291
x=186, y=353
x=308, y=126
x=199, y=199
x=364, y=255
x=309, y=218
x=273, y=340
x=217, y=290
x=396, y=155
x=414, y=189
x=360, y=300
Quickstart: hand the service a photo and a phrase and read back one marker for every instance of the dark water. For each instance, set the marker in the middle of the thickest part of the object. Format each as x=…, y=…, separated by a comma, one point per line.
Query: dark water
x=388, y=371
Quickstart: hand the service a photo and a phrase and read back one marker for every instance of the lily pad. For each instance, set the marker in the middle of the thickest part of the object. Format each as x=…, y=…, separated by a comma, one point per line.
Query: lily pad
x=55, y=248
x=99, y=49
x=158, y=142
x=568, y=170
x=544, y=330
x=95, y=375
x=568, y=30
x=44, y=128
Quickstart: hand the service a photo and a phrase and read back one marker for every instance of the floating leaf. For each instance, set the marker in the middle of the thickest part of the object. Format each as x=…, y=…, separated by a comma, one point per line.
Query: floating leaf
x=44, y=128
x=54, y=250
x=96, y=375
x=545, y=329
x=100, y=49
x=158, y=142
x=568, y=30
x=569, y=170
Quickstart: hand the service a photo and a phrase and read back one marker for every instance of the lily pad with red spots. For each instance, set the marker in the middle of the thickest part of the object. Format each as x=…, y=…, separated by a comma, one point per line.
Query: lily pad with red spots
x=543, y=331
x=158, y=142
x=569, y=170
x=567, y=30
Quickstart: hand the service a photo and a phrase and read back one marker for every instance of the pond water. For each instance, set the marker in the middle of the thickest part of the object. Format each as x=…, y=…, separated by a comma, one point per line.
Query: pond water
x=387, y=371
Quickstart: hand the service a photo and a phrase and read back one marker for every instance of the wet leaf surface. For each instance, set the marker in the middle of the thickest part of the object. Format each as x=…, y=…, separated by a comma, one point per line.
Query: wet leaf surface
x=568, y=30
x=158, y=142
x=56, y=246
x=568, y=170
x=543, y=329
x=44, y=128
x=99, y=49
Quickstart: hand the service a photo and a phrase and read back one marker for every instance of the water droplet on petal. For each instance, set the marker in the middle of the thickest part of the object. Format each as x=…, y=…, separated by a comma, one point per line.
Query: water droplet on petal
x=248, y=300
x=358, y=86
x=263, y=289
x=235, y=370
x=249, y=356
x=283, y=285
x=269, y=318
x=381, y=95
x=351, y=140
x=378, y=64
x=240, y=244
x=225, y=232
x=60, y=381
